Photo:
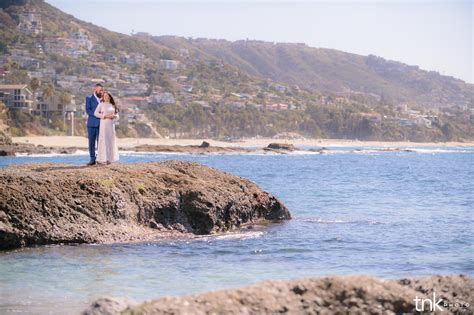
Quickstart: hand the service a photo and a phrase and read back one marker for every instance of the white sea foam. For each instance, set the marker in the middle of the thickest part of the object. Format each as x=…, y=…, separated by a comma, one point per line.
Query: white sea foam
x=361, y=151
x=303, y=152
x=135, y=153
x=379, y=151
x=329, y=221
x=234, y=236
x=368, y=152
x=438, y=150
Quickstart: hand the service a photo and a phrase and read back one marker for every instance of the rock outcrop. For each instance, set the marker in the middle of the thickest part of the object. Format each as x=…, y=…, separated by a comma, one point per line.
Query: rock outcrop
x=28, y=149
x=280, y=147
x=328, y=295
x=5, y=138
x=57, y=203
x=205, y=144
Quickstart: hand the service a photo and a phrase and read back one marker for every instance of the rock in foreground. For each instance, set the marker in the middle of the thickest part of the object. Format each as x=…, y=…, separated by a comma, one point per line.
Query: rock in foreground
x=329, y=295
x=54, y=203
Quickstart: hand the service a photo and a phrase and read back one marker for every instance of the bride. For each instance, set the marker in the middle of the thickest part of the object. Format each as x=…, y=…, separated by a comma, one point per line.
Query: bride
x=107, y=111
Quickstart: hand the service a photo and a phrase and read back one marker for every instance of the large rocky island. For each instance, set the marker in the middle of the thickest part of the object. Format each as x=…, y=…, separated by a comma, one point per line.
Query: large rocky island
x=57, y=203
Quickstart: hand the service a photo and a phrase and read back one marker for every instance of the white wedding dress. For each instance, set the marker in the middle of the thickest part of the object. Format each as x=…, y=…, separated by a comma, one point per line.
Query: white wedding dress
x=107, y=150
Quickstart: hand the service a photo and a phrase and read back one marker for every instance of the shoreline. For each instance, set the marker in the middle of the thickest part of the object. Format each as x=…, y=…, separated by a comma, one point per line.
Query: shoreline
x=81, y=142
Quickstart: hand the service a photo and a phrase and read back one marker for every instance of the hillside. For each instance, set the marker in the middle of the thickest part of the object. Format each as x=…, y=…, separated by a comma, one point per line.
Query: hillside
x=333, y=72
x=56, y=23
x=188, y=88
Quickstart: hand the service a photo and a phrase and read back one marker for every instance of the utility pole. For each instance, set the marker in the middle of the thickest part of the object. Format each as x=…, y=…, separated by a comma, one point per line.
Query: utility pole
x=70, y=110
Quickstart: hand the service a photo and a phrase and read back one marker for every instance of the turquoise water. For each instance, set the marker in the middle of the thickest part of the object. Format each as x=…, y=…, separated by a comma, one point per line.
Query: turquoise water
x=388, y=214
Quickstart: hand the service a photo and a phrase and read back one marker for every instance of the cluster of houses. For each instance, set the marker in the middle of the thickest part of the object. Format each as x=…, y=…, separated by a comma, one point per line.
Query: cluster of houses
x=406, y=118
x=16, y=96
x=19, y=96
x=111, y=70
x=414, y=118
x=30, y=22
x=76, y=45
x=115, y=72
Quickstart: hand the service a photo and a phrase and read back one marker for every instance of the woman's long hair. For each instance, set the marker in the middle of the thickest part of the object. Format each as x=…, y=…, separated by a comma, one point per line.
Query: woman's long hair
x=112, y=101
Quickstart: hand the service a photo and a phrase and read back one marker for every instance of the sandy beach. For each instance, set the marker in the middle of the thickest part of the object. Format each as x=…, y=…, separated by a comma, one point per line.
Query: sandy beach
x=67, y=141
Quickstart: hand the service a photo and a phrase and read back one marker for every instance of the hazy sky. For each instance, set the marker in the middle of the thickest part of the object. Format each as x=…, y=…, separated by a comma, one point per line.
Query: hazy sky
x=435, y=35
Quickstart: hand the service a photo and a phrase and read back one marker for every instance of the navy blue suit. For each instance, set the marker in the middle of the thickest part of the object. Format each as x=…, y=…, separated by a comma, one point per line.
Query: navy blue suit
x=93, y=124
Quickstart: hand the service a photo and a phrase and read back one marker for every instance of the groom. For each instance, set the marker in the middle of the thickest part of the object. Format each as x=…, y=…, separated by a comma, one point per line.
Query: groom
x=93, y=122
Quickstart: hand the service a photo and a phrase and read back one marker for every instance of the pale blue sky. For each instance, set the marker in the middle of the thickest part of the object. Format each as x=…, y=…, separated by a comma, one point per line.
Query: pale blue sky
x=435, y=35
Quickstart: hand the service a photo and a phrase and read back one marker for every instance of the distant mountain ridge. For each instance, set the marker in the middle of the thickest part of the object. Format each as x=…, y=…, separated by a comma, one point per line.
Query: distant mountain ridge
x=333, y=72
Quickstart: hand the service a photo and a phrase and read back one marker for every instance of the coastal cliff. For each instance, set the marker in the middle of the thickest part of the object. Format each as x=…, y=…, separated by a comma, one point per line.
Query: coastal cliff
x=57, y=203
x=326, y=295
x=5, y=137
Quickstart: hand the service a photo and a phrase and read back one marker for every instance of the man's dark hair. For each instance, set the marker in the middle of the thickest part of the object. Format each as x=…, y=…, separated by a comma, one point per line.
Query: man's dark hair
x=98, y=84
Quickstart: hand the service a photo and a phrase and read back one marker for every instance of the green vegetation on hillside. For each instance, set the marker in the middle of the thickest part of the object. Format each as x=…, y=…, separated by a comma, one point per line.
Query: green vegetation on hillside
x=315, y=121
x=333, y=72
x=222, y=89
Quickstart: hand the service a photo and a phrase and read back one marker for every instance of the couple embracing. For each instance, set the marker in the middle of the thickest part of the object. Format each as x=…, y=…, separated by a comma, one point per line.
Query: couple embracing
x=103, y=113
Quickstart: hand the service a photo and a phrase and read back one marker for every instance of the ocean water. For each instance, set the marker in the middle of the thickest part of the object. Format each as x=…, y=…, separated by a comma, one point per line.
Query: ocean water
x=386, y=214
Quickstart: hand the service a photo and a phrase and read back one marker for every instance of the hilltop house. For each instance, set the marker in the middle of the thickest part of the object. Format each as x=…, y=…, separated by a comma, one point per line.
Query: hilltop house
x=372, y=117
x=110, y=57
x=81, y=40
x=23, y=58
x=280, y=88
x=134, y=102
x=69, y=82
x=136, y=89
x=162, y=98
x=35, y=74
x=46, y=105
x=133, y=59
x=277, y=106
x=30, y=22
x=183, y=52
x=169, y=64
x=3, y=74
x=422, y=121
x=132, y=78
x=77, y=45
x=16, y=96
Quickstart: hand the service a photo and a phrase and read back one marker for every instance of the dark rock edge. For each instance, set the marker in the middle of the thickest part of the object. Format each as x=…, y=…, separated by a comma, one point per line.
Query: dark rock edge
x=60, y=204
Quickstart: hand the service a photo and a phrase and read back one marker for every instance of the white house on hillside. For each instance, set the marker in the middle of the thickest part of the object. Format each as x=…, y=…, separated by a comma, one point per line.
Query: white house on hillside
x=16, y=96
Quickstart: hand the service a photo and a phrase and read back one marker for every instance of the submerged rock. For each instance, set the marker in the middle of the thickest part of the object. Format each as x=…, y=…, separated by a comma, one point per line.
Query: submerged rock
x=327, y=295
x=281, y=146
x=205, y=144
x=58, y=203
x=203, y=148
x=319, y=150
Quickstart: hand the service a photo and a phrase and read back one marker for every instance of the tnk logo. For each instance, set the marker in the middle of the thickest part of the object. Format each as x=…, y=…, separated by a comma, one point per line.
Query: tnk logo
x=434, y=305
